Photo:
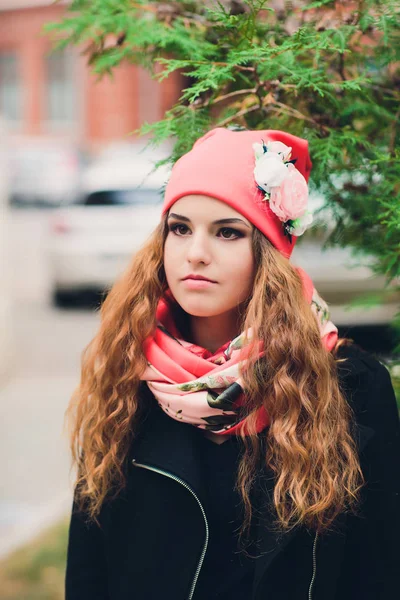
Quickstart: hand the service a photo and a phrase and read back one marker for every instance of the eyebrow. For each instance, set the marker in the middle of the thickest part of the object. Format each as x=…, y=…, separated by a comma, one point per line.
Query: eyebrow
x=218, y=222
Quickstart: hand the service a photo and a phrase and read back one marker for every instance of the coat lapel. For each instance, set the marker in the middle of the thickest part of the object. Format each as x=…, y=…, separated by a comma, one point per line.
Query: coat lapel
x=168, y=445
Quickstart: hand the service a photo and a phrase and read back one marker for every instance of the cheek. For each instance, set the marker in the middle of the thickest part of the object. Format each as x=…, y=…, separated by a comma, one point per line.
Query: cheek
x=239, y=272
x=240, y=260
x=170, y=258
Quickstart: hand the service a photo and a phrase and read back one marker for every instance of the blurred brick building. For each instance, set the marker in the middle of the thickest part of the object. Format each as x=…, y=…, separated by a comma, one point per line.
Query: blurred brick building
x=54, y=95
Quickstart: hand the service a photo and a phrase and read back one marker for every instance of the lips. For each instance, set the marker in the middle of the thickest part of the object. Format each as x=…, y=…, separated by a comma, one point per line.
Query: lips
x=198, y=278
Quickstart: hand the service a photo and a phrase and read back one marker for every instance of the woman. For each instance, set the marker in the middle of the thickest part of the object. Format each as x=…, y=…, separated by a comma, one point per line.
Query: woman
x=228, y=444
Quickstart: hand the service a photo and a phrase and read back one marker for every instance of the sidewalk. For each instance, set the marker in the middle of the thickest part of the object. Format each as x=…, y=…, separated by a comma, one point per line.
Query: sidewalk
x=34, y=474
x=35, y=481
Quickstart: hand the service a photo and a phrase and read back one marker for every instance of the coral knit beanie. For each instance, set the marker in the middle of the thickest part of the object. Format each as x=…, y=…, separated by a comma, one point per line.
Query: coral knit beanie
x=221, y=165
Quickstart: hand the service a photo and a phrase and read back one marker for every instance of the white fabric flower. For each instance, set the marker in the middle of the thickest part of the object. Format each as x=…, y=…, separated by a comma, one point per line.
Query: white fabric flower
x=270, y=171
x=258, y=150
x=275, y=147
x=280, y=148
x=285, y=187
x=301, y=224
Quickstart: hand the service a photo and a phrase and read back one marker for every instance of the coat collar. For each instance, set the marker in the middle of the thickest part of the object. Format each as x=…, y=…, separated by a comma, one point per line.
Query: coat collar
x=168, y=445
x=173, y=447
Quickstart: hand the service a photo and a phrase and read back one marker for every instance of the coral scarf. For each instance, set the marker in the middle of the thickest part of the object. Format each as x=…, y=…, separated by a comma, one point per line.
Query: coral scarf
x=205, y=389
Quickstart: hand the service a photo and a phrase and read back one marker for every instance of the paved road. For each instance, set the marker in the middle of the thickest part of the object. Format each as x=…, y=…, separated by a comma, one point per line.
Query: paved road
x=35, y=488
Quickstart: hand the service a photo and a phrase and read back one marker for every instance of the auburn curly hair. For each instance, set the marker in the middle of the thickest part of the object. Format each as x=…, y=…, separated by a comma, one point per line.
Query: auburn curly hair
x=308, y=446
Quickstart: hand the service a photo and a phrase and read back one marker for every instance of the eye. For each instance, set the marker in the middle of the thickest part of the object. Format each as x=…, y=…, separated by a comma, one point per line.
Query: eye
x=230, y=234
x=178, y=228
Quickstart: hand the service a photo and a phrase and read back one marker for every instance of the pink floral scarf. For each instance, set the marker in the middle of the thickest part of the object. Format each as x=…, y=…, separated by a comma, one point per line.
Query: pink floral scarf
x=205, y=389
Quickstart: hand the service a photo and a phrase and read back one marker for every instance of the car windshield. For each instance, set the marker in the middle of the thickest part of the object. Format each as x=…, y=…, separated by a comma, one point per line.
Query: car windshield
x=123, y=197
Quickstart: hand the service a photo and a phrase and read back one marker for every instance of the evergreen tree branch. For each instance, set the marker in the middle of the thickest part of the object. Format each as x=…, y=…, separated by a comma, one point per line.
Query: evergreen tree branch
x=326, y=70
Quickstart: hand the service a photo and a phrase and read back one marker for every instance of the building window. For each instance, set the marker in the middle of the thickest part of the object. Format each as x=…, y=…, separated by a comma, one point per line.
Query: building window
x=10, y=87
x=61, y=91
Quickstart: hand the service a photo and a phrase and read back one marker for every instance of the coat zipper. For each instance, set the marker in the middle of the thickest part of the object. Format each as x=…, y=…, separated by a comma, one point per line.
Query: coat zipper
x=197, y=573
x=182, y=482
x=314, y=557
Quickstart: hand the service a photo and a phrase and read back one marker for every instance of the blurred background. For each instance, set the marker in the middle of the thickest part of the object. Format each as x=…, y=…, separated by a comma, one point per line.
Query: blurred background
x=78, y=195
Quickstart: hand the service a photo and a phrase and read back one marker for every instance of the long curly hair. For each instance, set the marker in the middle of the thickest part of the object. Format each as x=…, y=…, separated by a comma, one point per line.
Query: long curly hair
x=308, y=446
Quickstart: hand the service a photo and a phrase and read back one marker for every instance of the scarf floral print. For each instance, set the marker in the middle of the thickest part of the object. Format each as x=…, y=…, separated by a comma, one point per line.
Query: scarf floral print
x=205, y=389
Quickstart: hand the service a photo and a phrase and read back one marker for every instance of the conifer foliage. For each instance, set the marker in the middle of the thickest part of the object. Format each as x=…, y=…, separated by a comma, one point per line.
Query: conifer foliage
x=328, y=71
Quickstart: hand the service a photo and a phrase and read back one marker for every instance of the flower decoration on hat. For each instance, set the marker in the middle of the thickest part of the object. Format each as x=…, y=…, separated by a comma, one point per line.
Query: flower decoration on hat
x=284, y=187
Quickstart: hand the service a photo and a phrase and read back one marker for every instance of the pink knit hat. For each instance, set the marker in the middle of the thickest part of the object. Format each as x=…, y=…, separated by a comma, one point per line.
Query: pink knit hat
x=261, y=174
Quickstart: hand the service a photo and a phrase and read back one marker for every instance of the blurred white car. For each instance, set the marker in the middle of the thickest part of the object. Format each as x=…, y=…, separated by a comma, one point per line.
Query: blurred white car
x=43, y=173
x=340, y=280
x=91, y=242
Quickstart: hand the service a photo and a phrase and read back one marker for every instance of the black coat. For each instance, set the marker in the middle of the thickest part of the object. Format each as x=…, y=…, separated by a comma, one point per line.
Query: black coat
x=153, y=537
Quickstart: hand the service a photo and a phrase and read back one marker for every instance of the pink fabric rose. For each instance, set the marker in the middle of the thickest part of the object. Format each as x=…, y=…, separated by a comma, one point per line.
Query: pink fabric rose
x=289, y=200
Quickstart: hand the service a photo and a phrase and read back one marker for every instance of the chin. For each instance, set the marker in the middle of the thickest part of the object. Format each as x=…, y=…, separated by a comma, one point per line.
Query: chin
x=199, y=308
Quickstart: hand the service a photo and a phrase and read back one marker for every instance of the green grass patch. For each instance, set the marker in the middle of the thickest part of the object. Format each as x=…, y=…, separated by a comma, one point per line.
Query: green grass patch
x=37, y=570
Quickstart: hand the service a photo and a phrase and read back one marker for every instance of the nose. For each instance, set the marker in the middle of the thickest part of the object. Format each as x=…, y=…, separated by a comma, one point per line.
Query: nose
x=198, y=249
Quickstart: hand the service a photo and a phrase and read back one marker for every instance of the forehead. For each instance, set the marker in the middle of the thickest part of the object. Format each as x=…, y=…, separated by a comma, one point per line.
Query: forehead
x=205, y=209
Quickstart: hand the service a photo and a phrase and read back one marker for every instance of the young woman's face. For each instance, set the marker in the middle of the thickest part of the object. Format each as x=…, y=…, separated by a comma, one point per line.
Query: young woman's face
x=210, y=239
